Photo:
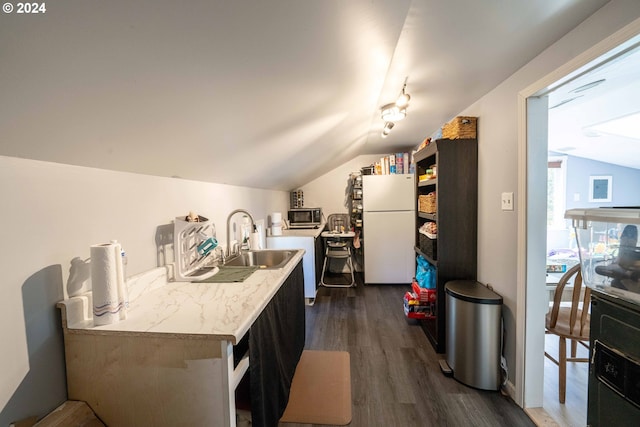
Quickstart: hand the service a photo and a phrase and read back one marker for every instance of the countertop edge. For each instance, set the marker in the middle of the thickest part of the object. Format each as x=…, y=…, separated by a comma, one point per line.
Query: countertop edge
x=86, y=327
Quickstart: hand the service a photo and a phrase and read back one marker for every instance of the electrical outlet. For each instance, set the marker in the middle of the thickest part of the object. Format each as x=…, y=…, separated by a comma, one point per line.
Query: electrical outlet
x=507, y=201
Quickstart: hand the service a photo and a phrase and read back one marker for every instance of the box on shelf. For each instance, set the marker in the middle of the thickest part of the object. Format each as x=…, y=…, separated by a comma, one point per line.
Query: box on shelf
x=416, y=309
x=609, y=252
x=429, y=246
x=368, y=170
x=427, y=203
x=424, y=295
x=461, y=127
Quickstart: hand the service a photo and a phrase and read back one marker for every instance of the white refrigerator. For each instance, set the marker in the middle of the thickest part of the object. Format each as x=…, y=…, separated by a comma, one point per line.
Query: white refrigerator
x=389, y=229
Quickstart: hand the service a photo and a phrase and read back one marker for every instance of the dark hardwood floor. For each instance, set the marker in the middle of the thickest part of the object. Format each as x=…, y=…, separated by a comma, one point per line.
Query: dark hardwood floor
x=395, y=375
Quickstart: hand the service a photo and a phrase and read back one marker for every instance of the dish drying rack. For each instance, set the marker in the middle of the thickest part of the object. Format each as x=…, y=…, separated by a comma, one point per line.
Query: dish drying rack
x=188, y=241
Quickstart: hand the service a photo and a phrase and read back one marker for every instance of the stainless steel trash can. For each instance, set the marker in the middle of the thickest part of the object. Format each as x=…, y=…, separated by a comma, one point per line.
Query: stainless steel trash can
x=473, y=333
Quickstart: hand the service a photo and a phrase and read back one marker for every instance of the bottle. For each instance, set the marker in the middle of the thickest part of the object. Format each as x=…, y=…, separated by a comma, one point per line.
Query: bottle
x=245, y=232
x=256, y=243
x=123, y=254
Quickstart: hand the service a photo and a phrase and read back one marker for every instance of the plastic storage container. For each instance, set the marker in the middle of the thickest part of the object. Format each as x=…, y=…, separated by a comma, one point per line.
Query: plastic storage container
x=609, y=252
x=473, y=333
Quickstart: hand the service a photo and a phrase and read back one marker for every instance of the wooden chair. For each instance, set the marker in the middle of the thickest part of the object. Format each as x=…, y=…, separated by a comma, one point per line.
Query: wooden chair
x=569, y=323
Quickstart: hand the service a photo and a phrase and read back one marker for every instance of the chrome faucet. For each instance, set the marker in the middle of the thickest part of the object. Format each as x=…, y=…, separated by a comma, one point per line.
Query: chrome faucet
x=229, y=250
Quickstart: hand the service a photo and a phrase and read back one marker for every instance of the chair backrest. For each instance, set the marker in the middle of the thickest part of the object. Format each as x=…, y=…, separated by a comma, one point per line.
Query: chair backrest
x=337, y=220
x=579, y=308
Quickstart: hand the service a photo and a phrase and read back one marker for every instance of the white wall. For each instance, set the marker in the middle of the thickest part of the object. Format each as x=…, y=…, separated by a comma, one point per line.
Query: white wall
x=329, y=190
x=52, y=213
x=498, y=156
x=624, y=183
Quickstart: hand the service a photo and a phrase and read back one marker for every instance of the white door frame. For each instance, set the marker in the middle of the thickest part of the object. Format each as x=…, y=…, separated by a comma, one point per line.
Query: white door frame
x=529, y=394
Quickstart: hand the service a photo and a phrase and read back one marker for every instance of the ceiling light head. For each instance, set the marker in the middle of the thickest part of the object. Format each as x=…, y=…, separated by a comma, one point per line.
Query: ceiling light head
x=387, y=129
x=403, y=99
x=393, y=113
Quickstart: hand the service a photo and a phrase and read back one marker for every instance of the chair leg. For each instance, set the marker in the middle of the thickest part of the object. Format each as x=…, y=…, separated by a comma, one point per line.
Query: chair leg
x=353, y=279
x=574, y=348
x=562, y=370
x=324, y=267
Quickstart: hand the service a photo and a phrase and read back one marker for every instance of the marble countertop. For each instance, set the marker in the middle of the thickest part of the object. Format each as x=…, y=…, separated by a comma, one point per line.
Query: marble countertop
x=223, y=311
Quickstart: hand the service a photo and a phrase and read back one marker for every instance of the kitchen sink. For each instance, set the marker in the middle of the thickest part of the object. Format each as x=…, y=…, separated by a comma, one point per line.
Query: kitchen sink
x=270, y=259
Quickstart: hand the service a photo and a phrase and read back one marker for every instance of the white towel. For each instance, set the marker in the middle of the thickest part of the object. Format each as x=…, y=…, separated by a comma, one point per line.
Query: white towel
x=110, y=299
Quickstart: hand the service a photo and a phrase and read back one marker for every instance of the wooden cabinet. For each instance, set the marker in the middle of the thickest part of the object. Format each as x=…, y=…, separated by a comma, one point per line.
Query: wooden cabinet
x=455, y=189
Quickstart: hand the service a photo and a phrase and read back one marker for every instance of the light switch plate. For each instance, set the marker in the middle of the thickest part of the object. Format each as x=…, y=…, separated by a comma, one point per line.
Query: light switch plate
x=507, y=201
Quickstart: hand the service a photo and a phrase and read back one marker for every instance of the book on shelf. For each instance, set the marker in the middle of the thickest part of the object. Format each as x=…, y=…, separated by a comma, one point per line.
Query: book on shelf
x=394, y=164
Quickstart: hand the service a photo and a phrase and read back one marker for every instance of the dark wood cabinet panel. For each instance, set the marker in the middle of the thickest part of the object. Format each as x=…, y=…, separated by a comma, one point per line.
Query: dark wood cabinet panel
x=456, y=216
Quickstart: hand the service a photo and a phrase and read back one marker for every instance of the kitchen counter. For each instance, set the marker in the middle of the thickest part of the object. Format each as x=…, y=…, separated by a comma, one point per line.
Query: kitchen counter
x=184, y=347
x=158, y=307
x=302, y=232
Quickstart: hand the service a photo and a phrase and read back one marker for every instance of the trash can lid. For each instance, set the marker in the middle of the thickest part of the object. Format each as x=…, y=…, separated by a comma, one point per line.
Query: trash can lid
x=472, y=291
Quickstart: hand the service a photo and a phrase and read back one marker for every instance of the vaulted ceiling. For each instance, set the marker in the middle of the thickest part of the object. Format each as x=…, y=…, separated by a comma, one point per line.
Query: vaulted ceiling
x=266, y=94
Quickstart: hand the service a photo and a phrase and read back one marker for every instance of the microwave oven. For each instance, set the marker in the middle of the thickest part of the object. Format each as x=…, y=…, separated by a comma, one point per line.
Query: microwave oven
x=305, y=217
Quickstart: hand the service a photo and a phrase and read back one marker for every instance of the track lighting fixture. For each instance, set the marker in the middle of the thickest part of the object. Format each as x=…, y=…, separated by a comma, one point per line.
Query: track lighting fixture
x=404, y=98
x=395, y=111
x=387, y=128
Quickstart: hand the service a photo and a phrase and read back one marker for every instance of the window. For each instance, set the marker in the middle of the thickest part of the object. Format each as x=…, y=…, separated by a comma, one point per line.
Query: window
x=556, y=199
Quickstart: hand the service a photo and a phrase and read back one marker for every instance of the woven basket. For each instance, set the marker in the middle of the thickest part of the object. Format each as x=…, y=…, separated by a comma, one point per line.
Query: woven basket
x=427, y=203
x=461, y=127
x=428, y=246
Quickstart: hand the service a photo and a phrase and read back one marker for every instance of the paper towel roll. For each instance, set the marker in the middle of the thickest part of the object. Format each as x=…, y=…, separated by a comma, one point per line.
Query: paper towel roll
x=256, y=241
x=276, y=218
x=110, y=299
x=276, y=230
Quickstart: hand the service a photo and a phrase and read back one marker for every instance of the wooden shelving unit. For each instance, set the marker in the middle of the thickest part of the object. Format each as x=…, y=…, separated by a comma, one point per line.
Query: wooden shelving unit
x=456, y=188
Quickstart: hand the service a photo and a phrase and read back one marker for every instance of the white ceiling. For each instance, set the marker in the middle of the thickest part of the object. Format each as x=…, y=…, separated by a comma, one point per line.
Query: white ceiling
x=575, y=109
x=264, y=94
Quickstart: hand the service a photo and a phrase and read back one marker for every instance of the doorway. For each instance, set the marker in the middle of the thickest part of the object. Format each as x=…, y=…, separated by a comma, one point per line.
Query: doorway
x=534, y=107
